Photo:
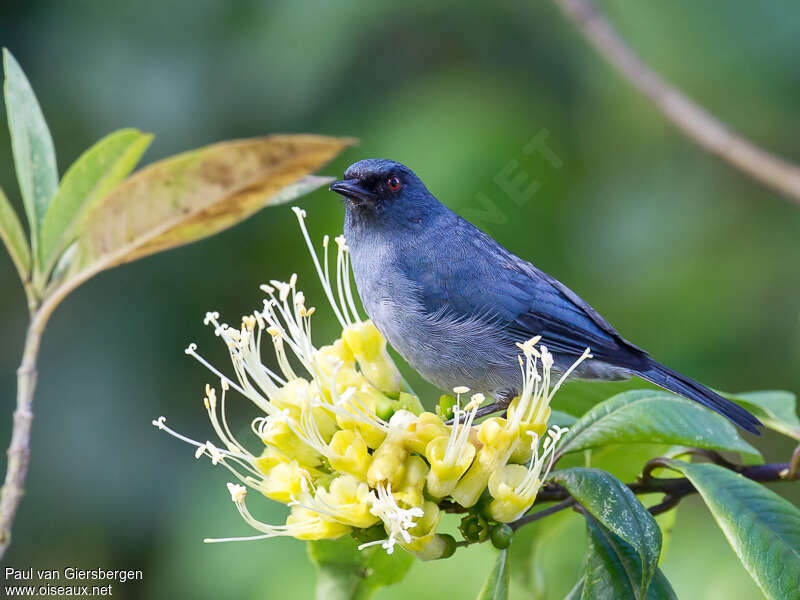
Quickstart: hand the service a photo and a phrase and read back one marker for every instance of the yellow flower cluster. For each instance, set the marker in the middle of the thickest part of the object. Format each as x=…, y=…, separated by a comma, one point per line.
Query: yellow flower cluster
x=346, y=448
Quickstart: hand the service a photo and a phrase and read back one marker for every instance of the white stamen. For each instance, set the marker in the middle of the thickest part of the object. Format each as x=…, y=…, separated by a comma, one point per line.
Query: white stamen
x=396, y=520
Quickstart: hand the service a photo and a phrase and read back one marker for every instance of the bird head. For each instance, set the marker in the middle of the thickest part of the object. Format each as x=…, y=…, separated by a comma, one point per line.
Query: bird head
x=384, y=190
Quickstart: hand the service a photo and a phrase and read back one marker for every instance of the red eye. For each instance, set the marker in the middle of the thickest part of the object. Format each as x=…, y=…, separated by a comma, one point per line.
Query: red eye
x=393, y=183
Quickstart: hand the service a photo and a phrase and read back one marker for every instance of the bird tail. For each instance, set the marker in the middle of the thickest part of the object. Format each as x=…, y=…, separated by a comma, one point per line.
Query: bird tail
x=688, y=388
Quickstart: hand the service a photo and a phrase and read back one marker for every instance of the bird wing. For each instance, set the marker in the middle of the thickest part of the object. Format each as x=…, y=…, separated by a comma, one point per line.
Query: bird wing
x=479, y=277
x=565, y=321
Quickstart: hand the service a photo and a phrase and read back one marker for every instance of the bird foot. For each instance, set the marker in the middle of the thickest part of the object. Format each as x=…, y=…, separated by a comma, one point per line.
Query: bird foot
x=499, y=405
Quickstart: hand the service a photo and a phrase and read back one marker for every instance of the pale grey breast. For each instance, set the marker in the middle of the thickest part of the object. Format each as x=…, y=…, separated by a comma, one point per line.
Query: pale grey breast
x=433, y=343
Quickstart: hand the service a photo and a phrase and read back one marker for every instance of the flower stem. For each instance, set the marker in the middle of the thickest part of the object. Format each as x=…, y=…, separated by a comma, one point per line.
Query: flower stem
x=19, y=449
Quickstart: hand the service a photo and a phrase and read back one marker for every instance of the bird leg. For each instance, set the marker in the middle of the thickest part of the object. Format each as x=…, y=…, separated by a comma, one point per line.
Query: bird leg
x=501, y=401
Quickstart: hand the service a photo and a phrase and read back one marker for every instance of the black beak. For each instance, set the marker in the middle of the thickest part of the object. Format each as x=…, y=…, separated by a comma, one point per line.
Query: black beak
x=352, y=189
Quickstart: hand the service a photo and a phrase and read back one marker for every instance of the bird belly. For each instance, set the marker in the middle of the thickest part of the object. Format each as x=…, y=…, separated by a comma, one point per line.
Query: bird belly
x=448, y=351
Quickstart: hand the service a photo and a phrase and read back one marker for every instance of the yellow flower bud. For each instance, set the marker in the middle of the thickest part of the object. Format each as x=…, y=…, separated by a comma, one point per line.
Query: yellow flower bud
x=349, y=453
x=424, y=530
x=498, y=441
x=305, y=524
x=445, y=471
x=352, y=417
x=279, y=435
x=539, y=424
x=269, y=458
x=332, y=354
x=388, y=460
x=514, y=487
x=410, y=492
x=427, y=427
x=347, y=496
x=369, y=348
x=439, y=546
x=508, y=503
x=284, y=481
x=522, y=451
x=346, y=377
x=292, y=396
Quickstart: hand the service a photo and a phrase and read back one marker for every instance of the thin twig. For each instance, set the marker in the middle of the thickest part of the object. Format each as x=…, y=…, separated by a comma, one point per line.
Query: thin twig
x=697, y=123
x=794, y=465
x=668, y=503
x=674, y=489
x=541, y=514
x=19, y=448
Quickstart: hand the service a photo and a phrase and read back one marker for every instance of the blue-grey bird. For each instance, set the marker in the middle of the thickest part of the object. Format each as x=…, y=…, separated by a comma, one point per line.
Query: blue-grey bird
x=453, y=302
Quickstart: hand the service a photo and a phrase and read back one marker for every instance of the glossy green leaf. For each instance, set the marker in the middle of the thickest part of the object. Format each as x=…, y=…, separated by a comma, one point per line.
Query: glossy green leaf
x=617, y=508
x=561, y=419
x=576, y=592
x=666, y=523
x=13, y=237
x=184, y=198
x=346, y=573
x=612, y=569
x=776, y=409
x=31, y=144
x=496, y=585
x=649, y=416
x=762, y=528
x=577, y=396
x=96, y=172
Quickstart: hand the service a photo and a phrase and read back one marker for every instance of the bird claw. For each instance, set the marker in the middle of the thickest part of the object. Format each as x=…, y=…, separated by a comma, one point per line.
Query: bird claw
x=501, y=404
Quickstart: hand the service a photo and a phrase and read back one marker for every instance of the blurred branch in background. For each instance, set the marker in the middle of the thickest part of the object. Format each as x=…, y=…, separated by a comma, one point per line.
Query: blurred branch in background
x=692, y=119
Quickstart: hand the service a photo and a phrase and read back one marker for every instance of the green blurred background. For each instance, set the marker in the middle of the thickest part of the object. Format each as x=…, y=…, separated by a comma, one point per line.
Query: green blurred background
x=687, y=257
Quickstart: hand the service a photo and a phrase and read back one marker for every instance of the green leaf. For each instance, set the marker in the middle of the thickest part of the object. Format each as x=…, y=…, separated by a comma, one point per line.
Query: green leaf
x=613, y=567
x=762, y=528
x=561, y=419
x=13, y=237
x=666, y=523
x=774, y=408
x=31, y=144
x=186, y=197
x=96, y=172
x=576, y=592
x=618, y=509
x=346, y=573
x=577, y=396
x=496, y=585
x=648, y=416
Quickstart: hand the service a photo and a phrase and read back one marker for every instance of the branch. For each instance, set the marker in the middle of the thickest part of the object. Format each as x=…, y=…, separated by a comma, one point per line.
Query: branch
x=674, y=489
x=541, y=514
x=691, y=118
x=19, y=451
x=794, y=465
